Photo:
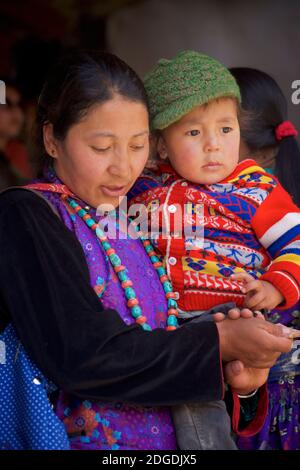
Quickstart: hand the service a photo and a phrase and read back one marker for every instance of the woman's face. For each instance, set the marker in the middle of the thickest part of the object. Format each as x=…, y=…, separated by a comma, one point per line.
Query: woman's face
x=103, y=155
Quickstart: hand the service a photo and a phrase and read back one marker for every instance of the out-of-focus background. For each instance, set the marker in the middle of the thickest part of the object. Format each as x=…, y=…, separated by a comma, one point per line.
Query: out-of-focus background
x=264, y=34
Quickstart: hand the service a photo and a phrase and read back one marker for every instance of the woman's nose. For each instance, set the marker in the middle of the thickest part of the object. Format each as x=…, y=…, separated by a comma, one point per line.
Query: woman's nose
x=120, y=165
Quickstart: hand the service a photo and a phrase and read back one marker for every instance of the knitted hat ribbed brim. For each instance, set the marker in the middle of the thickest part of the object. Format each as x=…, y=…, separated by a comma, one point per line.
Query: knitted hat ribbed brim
x=191, y=79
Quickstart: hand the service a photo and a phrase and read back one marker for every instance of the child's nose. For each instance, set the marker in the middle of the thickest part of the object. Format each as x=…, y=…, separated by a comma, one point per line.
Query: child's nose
x=212, y=143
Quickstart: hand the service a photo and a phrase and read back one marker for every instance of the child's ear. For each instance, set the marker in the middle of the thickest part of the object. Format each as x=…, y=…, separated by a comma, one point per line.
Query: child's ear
x=161, y=148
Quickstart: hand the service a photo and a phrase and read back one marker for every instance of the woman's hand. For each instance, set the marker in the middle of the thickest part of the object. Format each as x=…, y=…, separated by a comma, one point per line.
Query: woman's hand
x=244, y=380
x=236, y=313
x=254, y=341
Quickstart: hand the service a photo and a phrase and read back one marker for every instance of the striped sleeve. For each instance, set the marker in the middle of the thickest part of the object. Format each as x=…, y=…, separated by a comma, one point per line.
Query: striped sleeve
x=277, y=227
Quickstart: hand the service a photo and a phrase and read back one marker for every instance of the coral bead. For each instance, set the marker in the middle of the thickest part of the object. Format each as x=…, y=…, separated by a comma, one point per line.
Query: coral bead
x=140, y=320
x=158, y=264
x=170, y=295
x=171, y=328
x=127, y=283
x=119, y=268
x=173, y=311
x=132, y=302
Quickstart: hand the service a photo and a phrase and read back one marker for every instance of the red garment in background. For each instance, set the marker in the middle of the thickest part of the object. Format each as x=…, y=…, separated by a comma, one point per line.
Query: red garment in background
x=18, y=157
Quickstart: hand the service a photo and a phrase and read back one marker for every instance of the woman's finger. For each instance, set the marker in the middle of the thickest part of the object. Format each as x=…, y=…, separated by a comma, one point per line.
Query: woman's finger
x=218, y=317
x=247, y=313
x=234, y=313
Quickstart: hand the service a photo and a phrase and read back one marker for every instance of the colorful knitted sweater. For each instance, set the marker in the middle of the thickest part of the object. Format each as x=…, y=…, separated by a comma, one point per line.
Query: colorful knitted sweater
x=247, y=222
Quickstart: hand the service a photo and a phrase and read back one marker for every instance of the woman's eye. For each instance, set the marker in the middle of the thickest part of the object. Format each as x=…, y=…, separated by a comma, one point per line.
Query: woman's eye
x=193, y=133
x=100, y=150
x=226, y=130
x=138, y=147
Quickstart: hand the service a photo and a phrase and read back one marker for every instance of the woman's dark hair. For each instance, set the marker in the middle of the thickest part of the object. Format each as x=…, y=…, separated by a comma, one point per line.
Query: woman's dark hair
x=267, y=107
x=79, y=81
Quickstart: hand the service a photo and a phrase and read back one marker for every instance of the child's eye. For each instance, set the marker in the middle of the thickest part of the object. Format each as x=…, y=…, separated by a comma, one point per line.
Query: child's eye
x=226, y=130
x=193, y=133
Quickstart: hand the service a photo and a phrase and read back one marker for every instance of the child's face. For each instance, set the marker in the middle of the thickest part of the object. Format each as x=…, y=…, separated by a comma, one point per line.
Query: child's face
x=203, y=146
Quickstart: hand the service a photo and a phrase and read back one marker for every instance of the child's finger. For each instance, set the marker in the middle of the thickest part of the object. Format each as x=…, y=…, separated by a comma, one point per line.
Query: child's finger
x=294, y=333
x=259, y=314
x=254, y=285
x=254, y=302
x=243, y=277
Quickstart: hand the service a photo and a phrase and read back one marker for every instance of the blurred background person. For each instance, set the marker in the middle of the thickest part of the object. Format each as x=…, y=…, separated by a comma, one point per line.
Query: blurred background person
x=269, y=137
x=14, y=156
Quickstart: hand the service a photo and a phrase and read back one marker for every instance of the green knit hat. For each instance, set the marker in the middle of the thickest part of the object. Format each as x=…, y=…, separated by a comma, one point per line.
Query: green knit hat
x=176, y=86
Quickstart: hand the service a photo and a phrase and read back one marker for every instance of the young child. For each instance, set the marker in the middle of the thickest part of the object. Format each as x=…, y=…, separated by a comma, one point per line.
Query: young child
x=248, y=253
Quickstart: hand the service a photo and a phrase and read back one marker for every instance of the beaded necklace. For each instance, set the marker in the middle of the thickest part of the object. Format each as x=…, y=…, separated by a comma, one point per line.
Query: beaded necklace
x=120, y=270
x=126, y=283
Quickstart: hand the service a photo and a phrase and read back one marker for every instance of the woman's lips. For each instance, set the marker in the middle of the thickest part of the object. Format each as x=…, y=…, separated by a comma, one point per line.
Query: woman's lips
x=113, y=191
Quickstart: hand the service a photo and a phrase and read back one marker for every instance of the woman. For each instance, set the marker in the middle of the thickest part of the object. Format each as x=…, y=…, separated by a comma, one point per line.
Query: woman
x=83, y=305
x=271, y=139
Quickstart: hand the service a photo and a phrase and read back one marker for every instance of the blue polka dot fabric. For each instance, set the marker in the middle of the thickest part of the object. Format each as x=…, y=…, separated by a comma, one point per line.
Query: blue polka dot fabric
x=27, y=420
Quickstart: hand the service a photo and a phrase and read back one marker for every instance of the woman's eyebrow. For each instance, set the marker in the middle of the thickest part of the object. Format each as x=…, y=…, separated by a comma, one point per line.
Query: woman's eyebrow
x=145, y=132
x=111, y=134
x=101, y=134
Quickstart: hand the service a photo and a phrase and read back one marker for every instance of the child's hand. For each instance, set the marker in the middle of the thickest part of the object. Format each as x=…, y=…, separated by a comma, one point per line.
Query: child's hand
x=259, y=294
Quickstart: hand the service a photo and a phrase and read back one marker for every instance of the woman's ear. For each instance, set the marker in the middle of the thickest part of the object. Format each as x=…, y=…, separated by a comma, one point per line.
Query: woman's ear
x=161, y=148
x=50, y=142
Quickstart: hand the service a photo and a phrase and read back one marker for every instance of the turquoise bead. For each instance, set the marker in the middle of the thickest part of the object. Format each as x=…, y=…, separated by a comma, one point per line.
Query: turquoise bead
x=172, y=320
x=81, y=213
x=90, y=222
x=160, y=271
x=146, y=327
x=106, y=246
x=148, y=248
x=136, y=311
x=73, y=204
x=172, y=303
x=114, y=259
x=167, y=286
x=154, y=259
x=122, y=276
x=129, y=293
x=100, y=233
